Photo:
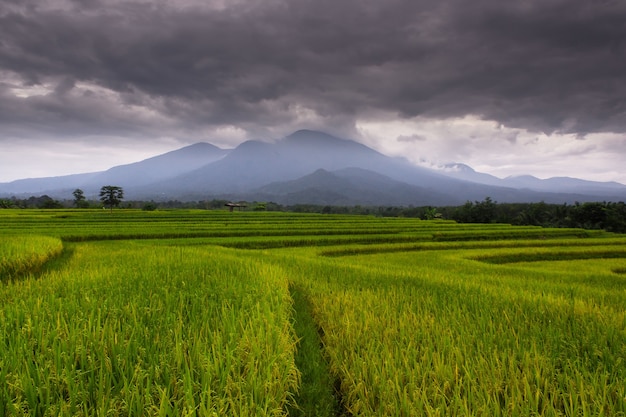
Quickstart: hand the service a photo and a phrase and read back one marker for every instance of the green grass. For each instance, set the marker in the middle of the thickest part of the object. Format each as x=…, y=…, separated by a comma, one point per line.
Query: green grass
x=316, y=396
x=215, y=313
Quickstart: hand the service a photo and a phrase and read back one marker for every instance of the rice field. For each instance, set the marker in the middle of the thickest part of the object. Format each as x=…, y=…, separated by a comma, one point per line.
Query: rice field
x=212, y=313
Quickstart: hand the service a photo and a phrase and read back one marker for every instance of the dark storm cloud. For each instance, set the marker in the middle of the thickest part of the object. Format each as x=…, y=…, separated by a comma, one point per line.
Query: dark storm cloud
x=545, y=65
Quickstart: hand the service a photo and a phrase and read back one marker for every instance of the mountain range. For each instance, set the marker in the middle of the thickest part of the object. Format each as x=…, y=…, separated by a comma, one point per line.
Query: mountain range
x=309, y=167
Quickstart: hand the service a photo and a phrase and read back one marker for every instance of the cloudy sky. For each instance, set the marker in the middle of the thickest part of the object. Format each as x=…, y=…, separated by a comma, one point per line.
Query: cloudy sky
x=507, y=87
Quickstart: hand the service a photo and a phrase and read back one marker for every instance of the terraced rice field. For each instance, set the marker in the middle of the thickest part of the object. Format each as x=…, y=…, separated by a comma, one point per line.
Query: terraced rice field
x=215, y=313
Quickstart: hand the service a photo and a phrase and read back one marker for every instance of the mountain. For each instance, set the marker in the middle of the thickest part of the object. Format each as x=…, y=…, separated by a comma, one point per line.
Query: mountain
x=158, y=168
x=352, y=186
x=467, y=173
x=565, y=184
x=315, y=168
x=254, y=164
x=130, y=176
x=48, y=185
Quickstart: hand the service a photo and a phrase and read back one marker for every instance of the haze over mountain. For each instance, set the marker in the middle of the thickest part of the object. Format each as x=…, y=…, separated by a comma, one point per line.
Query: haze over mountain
x=310, y=167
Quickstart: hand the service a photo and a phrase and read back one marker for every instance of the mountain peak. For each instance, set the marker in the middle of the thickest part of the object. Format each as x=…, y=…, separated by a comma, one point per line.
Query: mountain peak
x=522, y=177
x=313, y=137
x=304, y=133
x=332, y=146
x=197, y=150
x=200, y=145
x=458, y=167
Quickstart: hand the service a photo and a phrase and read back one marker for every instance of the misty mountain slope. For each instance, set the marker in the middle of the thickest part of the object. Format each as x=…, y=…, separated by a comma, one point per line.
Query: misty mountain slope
x=352, y=186
x=159, y=168
x=311, y=167
x=566, y=185
x=248, y=166
x=467, y=173
x=316, y=150
x=254, y=164
x=130, y=176
x=560, y=185
x=53, y=186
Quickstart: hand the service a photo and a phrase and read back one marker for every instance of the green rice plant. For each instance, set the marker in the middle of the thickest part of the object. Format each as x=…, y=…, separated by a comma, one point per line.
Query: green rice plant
x=21, y=254
x=512, y=232
x=485, y=246
x=431, y=333
x=553, y=254
x=398, y=317
x=89, y=225
x=127, y=329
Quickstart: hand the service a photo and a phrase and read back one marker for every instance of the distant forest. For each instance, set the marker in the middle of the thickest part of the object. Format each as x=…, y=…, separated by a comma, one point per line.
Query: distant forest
x=596, y=215
x=607, y=216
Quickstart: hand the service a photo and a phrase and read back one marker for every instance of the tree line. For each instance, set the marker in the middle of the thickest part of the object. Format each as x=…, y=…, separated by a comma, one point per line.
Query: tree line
x=110, y=196
x=609, y=216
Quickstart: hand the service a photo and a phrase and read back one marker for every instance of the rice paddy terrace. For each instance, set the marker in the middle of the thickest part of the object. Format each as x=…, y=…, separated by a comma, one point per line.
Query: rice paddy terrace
x=213, y=313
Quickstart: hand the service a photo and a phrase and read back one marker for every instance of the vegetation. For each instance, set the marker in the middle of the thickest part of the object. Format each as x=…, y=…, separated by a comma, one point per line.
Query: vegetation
x=111, y=196
x=609, y=216
x=21, y=254
x=196, y=312
x=80, y=201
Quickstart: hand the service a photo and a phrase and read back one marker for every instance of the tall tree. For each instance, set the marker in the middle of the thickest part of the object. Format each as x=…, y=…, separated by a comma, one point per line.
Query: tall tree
x=79, y=198
x=111, y=196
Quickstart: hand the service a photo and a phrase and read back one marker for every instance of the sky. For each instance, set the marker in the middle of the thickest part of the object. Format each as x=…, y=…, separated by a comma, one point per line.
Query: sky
x=508, y=87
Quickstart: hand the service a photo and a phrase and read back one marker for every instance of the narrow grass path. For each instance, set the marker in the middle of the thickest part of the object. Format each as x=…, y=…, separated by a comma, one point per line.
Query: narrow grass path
x=317, y=396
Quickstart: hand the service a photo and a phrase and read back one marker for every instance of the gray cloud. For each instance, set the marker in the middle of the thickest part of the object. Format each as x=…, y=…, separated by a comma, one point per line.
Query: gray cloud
x=541, y=65
x=411, y=138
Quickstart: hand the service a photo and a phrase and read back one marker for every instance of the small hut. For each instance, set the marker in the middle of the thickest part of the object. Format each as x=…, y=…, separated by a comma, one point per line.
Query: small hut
x=232, y=206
